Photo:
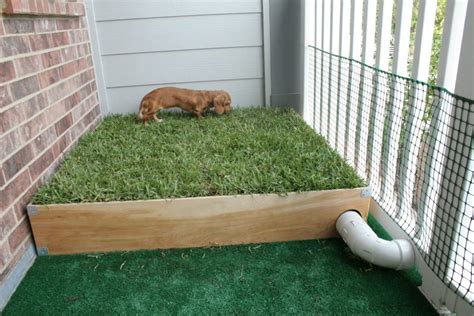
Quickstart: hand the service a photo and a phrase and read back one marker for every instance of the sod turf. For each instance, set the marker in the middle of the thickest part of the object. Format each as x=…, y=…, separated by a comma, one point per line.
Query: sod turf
x=253, y=150
x=301, y=278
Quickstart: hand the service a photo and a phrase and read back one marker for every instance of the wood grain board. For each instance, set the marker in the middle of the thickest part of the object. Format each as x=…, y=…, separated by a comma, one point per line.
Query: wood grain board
x=191, y=222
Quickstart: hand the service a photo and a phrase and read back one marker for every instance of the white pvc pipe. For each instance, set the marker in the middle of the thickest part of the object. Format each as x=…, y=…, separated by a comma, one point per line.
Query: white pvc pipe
x=396, y=254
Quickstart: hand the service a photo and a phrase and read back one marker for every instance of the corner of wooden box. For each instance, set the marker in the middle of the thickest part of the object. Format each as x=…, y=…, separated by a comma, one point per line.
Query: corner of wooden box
x=366, y=192
x=42, y=251
x=32, y=210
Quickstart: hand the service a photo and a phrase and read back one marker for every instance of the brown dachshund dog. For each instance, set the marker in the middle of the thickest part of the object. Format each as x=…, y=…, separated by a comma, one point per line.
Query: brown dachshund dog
x=193, y=101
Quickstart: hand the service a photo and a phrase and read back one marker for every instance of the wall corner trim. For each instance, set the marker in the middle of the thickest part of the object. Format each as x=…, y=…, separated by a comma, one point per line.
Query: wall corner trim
x=16, y=275
x=266, y=51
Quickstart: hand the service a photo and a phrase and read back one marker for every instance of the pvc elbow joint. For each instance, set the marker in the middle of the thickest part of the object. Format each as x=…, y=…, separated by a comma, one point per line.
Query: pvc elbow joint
x=396, y=254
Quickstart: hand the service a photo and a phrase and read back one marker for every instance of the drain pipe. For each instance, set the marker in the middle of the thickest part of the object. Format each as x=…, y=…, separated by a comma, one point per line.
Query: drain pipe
x=396, y=254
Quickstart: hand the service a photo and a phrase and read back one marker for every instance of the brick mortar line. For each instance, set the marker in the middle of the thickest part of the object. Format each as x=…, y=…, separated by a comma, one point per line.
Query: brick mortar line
x=47, y=15
x=40, y=33
x=32, y=13
x=39, y=133
x=2, y=173
x=22, y=15
x=5, y=241
x=61, y=156
x=37, y=73
x=29, y=54
x=32, y=95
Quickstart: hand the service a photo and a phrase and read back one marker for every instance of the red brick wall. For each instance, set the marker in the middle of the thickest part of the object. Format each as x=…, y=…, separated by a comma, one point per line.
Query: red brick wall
x=48, y=99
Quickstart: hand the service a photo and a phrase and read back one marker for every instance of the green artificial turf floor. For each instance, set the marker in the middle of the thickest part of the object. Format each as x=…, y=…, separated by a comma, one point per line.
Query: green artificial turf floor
x=254, y=150
x=299, y=278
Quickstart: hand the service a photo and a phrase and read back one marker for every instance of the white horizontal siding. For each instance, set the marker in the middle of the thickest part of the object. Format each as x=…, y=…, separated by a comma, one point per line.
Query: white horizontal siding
x=145, y=35
x=183, y=66
x=244, y=93
x=203, y=44
x=135, y=9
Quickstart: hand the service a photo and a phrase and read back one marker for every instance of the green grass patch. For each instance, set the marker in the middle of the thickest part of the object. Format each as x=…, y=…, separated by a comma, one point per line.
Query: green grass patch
x=292, y=278
x=249, y=151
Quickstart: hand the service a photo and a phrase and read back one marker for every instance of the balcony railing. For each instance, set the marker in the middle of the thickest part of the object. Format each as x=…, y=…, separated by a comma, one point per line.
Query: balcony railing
x=366, y=92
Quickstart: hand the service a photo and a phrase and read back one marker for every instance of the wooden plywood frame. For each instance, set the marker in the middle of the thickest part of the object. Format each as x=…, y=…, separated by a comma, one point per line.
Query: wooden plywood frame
x=191, y=222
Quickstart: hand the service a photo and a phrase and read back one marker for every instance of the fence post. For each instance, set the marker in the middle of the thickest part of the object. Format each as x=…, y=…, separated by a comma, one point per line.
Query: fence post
x=454, y=215
x=376, y=127
x=391, y=140
x=333, y=116
x=366, y=88
x=354, y=79
x=409, y=167
x=343, y=85
x=437, y=142
x=325, y=68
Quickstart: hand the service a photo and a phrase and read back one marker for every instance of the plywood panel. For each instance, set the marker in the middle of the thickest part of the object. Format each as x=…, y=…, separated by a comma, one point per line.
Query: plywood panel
x=191, y=222
x=183, y=66
x=126, y=9
x=244, y=93
x=192, y=32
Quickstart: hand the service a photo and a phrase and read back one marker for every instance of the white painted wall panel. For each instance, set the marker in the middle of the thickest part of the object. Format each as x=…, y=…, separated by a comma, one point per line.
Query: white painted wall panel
x=190, y=32
x=202, y=44
x=244, y=93
x=183, y=66
x=133, y=9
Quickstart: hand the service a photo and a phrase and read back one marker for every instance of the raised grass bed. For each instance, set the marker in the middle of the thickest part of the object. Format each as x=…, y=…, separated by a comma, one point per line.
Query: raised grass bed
x=256, y=175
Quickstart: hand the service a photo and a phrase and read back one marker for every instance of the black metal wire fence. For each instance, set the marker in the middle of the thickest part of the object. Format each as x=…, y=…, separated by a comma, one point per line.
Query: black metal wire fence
x=414, y=144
